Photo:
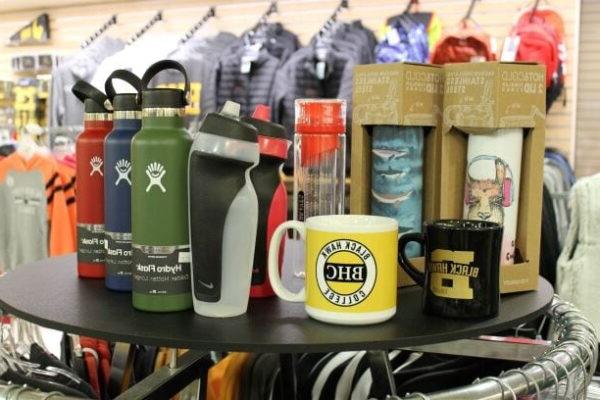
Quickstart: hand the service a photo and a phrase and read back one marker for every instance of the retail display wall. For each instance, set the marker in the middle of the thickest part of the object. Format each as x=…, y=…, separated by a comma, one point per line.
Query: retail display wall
x=72, y=21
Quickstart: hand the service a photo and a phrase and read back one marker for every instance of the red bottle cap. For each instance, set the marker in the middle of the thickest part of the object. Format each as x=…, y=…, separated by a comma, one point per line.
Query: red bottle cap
x=262, y=112
x=272, y=138
x=323, y=116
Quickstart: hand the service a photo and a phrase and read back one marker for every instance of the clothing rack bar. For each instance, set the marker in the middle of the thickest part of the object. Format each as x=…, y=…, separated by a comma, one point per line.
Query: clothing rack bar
x=111, y=21
x=534, y=9
x=333, y=17
x=273, y=8
x=470, y=10
x=167, y=382
x=209, y=14
x=157, y=17
x=577, y=345
x=18, y=392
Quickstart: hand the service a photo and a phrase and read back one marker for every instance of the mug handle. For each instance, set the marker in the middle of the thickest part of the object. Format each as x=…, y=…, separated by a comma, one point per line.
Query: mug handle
x=405, y=263
x=274, y=277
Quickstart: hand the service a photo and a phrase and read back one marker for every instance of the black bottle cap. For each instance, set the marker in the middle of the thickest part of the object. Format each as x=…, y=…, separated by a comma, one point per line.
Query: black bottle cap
x=227, y=124
x=266, y=128
x=126, y=102
x=164, y=97
x=94, y=101
x=123, y=101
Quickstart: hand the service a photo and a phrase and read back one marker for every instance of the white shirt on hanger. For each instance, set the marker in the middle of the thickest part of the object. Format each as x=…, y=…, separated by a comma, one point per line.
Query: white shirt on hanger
x=136, y=58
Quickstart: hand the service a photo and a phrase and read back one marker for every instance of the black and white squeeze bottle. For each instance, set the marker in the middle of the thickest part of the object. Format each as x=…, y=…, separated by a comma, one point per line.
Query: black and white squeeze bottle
x=223, y=212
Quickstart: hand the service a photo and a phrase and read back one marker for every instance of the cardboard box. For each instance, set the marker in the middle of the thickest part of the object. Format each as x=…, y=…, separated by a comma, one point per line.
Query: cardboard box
x=479, y=98
x=401, y=94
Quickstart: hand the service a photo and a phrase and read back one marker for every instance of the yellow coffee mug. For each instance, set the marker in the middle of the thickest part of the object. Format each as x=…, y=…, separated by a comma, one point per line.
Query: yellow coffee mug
x=351, y=267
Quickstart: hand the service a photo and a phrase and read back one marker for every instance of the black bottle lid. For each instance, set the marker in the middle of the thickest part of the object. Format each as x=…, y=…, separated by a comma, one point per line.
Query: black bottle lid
x=164, y=97
x=228, y=124
x=94, y=101
x=260, y=120
x=123, y=101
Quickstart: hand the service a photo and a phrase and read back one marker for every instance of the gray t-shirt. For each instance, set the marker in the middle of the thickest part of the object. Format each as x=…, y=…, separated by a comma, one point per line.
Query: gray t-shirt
x=24, y=227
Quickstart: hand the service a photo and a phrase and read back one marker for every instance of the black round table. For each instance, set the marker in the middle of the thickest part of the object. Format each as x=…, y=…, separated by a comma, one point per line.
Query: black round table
x=50, y=294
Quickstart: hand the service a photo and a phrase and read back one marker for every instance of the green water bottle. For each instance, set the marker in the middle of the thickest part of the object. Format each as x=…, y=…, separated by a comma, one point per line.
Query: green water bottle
x=159, y=198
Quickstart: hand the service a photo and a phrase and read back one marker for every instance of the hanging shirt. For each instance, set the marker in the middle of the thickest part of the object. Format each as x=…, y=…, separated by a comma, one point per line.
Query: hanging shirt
x=65, y=108
x=30, y=186
x=136, y=58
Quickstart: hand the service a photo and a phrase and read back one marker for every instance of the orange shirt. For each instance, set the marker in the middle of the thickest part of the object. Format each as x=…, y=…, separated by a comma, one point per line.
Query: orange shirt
x=61, y=240
x=66, y=174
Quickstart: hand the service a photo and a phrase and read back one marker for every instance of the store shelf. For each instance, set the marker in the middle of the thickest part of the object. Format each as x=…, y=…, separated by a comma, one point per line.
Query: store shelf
x=50, y=294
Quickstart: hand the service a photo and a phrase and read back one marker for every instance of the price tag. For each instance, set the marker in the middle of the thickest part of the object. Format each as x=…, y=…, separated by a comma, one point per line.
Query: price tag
x=509, y=50
x=321, y=65
x=393, y=37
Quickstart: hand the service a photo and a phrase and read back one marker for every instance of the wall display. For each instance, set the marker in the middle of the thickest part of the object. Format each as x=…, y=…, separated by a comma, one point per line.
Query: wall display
x=223, y=212
x=271, y=193
x=397, y=177
x=351, y=268
x=36, y=32
x=493, y=175
x=117, y=181
x=462, y=267
x=97, y=123
x=159, y=193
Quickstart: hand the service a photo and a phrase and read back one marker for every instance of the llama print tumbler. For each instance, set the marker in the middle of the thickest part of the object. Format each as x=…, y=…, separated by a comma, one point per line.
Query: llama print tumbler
x=493, y=176
x=397, y=178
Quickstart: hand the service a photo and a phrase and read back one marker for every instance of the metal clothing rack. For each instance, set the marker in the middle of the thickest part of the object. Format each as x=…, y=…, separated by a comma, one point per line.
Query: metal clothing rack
x=157, y=17
x=19, y=392
x=331, y=21
x=209, y=14
x=570, y=360
x=111, y=21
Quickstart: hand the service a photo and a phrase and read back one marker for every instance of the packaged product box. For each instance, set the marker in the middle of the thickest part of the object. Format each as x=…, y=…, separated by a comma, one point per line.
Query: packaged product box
x=396, y=130
x=479, y=99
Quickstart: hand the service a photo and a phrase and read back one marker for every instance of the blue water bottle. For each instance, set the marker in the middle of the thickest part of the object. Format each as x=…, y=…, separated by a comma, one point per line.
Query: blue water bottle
x=117, y=181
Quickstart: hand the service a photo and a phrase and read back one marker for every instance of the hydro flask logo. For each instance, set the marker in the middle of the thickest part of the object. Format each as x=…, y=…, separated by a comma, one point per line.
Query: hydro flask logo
x=155, y=172
x=346, y=272
x=96, y=163
x=123, y=168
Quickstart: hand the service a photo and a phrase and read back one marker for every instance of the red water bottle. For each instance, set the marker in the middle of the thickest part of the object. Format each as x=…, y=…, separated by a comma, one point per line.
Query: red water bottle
x=271, y=193
x=89, y=148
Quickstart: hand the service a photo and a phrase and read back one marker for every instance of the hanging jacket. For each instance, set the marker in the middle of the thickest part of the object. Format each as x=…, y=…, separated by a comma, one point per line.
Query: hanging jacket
x=577, y=276
x=249, y=89
x=298, y=79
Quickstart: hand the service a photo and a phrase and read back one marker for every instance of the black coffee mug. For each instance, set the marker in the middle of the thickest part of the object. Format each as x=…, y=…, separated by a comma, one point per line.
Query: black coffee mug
x=462, y=267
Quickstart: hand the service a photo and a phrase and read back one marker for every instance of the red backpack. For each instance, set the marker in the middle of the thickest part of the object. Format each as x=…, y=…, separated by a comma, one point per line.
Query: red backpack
x=464, y=45
x=539, y=42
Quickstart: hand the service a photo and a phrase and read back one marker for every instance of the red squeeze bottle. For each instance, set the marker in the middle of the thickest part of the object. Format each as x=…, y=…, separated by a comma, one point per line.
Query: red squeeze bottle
x=89, y=148
x=271, y=193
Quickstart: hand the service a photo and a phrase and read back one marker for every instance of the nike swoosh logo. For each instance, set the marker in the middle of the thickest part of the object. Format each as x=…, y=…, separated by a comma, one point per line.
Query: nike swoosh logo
x=206, y=285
